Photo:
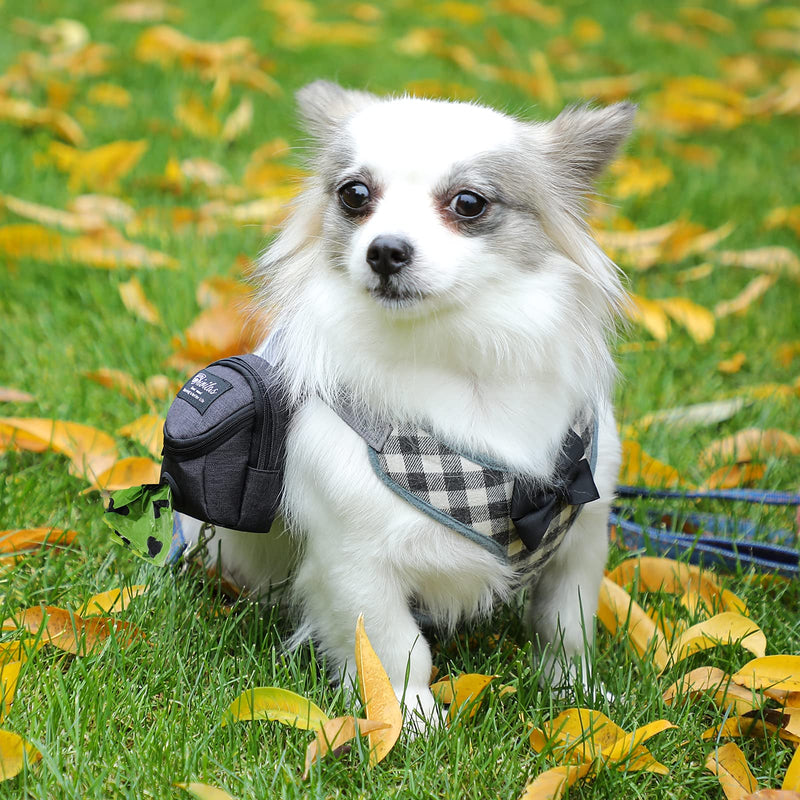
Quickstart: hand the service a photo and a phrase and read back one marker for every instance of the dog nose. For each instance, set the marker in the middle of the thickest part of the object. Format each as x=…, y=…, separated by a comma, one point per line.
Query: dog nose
x=389, y=254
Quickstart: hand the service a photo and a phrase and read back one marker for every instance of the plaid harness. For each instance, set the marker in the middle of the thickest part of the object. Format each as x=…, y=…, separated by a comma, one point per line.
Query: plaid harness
x=519, y=521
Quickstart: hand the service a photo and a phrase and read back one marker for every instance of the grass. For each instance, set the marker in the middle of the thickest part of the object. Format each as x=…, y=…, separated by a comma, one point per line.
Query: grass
x=130, y=723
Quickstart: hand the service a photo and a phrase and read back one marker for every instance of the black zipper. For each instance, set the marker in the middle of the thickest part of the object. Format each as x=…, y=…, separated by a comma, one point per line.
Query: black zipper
x=184, y=449
x=262, y=400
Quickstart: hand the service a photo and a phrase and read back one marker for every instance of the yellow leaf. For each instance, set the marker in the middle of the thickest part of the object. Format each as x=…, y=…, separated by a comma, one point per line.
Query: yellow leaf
x=104, y=206
x=135, y=300
x=98, y=169
x=650, y=315
x=109, y=94
x=204, y=791
x=587, y=30
x=607, y=89
x=550, y=785
x=730, y=766
x=10, y=395
x=704, y=18
x=725, y=628
x=547, y=87
x=335, y=733
x=770, y=672
x=726, y=694
x=640, y=467
x=531, y=9
x=377, y=695
x=9, y=673
x=111, y=602
x=144, y=11
x=279, y=705
x=458, y=692
x=238, y=121
x=732, y=365
x=197, y=119
x=635, y=176
x=775, y=260
x=735, y=475
x=698, y=321
x=13, y=542
x=791, y=780
x=15, y=753
x=617, y=609
x=739, y=304
x=119, y=381
x=127, y=472
x=148, y=430
x=751, y=724
x=750, y=444
x=583, y=732
x=466, y=13
x=26, y=115
x=52, y=217
x=90, y=450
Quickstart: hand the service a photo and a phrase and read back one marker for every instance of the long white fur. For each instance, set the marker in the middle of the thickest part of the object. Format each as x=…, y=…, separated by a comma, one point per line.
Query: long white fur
x=496, y=359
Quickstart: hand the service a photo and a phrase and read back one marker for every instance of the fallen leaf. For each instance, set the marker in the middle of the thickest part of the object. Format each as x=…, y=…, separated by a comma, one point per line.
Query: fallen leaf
x=791, y=780
x=377, y=695
x=105, y=206
x=135, y=300
x=90, y=450
x=732, y=365
x=629, y=751
x=550, y=784
x=465, y=690
x=238, y=121
x=714, y=681
x=110, y=602
x=334, y=734
x=707, y=19
x=197, y=119
x=774, y=260
x=650, y=315
x=729, y=764
x=704, y=414
x=739, y=304
x=144, y=11
x=725, y=628
x=750, y=444
x=549, y=15
x=10, y=395
x=773, y=794
x=109, y=94
x=52, y=217
x=637, y=176
x=204, y=791
x=640, y=467
x=148, y=430
x=780, y=672
x=698, y=321
x=15, y=753
x=279, y=705
x=758, y=723
x=9, y=674
x=735, y=476
x=617, y=610
x=119, y=381
x=26, y=115
x=13, y=542
x=101, y=168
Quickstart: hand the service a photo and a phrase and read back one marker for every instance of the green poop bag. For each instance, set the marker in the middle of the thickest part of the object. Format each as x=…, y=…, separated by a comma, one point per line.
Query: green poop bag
x=141, y=519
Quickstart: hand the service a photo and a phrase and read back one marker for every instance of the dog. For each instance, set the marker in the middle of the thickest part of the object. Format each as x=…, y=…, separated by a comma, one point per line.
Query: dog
x=436, y=273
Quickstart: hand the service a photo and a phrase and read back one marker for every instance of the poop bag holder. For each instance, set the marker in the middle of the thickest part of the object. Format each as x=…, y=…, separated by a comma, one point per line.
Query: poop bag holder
x=224, y=444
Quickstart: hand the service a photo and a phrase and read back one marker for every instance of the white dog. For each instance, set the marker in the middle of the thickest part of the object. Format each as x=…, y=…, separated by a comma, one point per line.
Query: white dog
x=437, y=276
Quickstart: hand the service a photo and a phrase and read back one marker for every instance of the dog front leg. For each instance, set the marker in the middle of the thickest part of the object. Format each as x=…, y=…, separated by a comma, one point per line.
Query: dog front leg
x=333, y=596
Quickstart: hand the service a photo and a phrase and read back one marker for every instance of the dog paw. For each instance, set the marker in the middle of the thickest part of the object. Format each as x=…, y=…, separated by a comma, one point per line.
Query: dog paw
x=421, y=713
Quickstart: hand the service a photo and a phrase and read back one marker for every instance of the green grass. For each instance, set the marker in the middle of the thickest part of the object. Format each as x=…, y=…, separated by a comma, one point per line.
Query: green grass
x=130, y=723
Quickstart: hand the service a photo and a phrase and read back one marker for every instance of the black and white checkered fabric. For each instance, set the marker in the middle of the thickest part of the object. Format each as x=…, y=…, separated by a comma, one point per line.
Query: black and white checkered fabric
x=469, y=497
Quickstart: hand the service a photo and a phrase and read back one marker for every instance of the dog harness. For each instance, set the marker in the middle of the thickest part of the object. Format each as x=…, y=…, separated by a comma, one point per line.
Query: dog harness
x=519, y=520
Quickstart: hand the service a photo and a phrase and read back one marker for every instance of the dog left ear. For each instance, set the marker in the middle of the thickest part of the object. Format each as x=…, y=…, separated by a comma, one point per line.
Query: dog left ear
x=324, y=105
x=585, y=140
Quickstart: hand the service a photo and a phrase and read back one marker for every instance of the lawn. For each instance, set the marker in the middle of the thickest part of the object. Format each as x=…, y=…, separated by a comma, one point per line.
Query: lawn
x=144, y=276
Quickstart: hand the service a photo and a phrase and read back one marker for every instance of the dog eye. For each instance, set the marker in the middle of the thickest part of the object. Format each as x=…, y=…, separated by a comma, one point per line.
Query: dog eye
x=354, y=195
x=468, y=204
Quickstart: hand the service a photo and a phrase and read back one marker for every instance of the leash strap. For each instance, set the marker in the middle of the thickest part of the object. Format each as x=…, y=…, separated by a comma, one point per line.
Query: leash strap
x=709, y=538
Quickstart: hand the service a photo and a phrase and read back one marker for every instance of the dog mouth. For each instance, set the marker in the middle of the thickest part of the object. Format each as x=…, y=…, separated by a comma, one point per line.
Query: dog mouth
x=388, y=293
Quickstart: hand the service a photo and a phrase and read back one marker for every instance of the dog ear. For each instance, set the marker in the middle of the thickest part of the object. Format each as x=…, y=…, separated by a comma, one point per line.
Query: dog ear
x=324, y=105
x=585, y=140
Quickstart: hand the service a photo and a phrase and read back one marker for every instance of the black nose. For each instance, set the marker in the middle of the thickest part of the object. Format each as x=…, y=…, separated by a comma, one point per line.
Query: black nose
x=389, y=254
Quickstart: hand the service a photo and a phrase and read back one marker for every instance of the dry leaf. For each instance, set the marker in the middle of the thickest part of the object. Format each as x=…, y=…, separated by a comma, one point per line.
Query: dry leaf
x=735, y=476
x=709, y=20
x=650, y=315
x=690, y=416
x=640, y=467
x=110, y=602
x=726, y=694
x=90, y=450
x=550, y=785
x=9, y=675
x=135, y=300
x=334, y=734
x=10, y=395
x=725, y=628
x=148, y=430
x=197, y=119
x=26, y=115
x=791, y=781
x=119, y=381
x=144, y=11
x=458, y=692
x=204, y=791
x=549, y=15
x=732, y=365
x=99, y=169
x=105, y=206
x=15, y=753
x=629, y=750
x=698, y=321
x=127, y=472
x=773, y=794
x=14, y=542
x=729, y=764
x=775, y=260
x=752, y=724
x=279, y=705
x=739, y=304
x=617, y=609
x=377, y=695
x=52, y=217
x=781, y=672
x=636, y=176
x=238, y=121
x=750, y=444
x=109, y=94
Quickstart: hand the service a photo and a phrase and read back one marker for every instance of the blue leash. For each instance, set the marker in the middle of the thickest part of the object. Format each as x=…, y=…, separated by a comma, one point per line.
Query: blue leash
x=709, y=538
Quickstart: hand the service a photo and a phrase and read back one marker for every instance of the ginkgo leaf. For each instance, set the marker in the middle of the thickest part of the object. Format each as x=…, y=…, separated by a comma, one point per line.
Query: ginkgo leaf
x=729, y=764
x=629, y=747
x=204, y=791
x=15, y=753
x=136, y=301
x=551, y=784
x=791, y=780
x=111, y=602
x=640, y=467
x=714, y=681
x=698, y=321
x=751, y=724
x=750, y=444
x=377, y=695
x=725, y=628
x=22, y=540
x=90, y=450
x=335, y=733
x=458, y=692
x=616, y=609
x=148, y=430
x=770, y=672
x=279, y=705
x=127, y=472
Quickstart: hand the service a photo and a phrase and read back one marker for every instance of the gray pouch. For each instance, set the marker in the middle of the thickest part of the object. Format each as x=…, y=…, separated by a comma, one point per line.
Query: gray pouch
x=224, y=444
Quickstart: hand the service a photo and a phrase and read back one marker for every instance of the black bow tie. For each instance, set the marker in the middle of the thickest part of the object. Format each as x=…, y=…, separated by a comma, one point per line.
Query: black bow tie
x=533, y=507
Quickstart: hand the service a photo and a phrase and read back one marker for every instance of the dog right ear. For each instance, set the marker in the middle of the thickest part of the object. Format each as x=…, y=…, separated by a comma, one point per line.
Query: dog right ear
x=324, y=105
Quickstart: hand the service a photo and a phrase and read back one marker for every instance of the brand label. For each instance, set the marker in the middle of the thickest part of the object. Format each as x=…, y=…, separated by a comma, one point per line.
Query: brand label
x=203, y=389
